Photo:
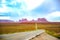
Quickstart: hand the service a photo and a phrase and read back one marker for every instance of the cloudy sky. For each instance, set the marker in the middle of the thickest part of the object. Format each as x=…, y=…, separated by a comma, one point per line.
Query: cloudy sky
x=30, y=9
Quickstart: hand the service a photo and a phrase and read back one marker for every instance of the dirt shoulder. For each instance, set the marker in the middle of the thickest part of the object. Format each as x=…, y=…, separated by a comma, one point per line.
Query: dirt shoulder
x=44, y=36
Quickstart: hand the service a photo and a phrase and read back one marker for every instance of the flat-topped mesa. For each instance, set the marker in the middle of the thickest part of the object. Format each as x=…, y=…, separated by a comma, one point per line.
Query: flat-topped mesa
x=23, y=20
x=6, y=21
x=41, y=20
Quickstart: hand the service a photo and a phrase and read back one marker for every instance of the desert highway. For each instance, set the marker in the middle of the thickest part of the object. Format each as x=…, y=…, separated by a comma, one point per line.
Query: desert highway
x=21, y=35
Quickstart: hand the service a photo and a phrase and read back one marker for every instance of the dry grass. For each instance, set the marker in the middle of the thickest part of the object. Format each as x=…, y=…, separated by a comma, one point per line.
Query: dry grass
x=19, y=27
x=51, y=27
x=16, y=28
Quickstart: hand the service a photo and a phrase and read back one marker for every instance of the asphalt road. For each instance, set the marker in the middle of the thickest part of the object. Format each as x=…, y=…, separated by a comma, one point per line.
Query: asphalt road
x=21, y=35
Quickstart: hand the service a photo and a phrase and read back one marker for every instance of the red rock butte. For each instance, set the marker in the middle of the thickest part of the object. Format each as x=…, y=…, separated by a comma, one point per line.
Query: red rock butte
x=24, y=20
x=38, y=20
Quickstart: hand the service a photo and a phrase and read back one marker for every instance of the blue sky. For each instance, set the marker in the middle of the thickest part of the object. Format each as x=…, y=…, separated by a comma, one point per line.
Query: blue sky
x=30, y=9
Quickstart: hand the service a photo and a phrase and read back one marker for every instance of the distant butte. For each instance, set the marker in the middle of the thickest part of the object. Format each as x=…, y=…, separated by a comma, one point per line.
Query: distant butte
x=38, y=20
x=6, y=21
x=42, y=20
x=25, y=20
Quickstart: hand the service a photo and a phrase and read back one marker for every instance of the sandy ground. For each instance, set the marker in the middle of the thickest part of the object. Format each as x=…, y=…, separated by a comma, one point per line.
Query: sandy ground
x=44, y=36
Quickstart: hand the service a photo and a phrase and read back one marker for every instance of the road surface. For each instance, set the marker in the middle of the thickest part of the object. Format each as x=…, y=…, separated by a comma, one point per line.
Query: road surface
x=21, y=35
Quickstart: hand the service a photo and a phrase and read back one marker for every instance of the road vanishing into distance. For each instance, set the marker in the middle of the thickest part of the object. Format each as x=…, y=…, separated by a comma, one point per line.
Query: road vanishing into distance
x=30, y=35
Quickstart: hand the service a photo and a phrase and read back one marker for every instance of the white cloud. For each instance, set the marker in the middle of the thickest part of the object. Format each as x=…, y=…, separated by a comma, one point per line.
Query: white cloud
x=3, y=1
x=53, y=15
x=4, y=8
x=5, y=18
x=31, y=4
x=27, y=5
